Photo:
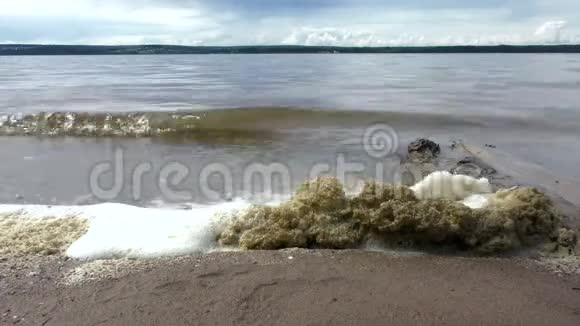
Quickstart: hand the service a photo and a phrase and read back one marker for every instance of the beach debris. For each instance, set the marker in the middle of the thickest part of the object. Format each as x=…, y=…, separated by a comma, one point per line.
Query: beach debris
x=474, y=167
x=21, y=235
x=320, y=215
x=566, y=242
x=422, y=149
x=567, y=238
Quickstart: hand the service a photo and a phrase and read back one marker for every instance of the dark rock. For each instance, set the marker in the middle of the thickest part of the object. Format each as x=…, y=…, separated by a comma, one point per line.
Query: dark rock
x=490, y=146
x=423, y=148
x=473, y=167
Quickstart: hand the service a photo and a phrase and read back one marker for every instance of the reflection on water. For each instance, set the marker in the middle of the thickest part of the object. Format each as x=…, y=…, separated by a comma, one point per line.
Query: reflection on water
x=457, y=83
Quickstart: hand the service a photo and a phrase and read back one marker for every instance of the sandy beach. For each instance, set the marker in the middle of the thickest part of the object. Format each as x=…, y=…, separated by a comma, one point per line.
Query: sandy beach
x=289, y=287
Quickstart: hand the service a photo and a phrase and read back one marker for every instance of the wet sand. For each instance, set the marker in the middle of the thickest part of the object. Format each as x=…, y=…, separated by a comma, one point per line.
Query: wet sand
x=292, y=287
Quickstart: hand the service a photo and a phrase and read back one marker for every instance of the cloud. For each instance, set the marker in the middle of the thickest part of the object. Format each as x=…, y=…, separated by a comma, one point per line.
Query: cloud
x=551, y=31
x=306, y=22
x=330, y=37
x=107, y=22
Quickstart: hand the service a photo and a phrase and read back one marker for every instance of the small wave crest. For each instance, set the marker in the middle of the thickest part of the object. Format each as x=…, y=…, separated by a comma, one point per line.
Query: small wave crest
x=96, y=124
x=242, y=121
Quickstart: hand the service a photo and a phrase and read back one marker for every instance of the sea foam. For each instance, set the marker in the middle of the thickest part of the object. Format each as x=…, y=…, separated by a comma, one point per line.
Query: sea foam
x=444, y=185
x=117, y=231
x=123, y=231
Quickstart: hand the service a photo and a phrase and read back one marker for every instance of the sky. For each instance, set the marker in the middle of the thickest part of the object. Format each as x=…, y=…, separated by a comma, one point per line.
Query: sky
x=301, y=22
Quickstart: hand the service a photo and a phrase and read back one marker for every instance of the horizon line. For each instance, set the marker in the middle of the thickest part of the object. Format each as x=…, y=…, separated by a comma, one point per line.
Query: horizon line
x=293, y=45
x=163, y=49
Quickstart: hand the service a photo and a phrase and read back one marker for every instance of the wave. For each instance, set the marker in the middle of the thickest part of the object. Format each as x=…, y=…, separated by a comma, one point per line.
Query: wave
x=242, y=122
x=97, y=124
x=237, y=121
x=319, y=215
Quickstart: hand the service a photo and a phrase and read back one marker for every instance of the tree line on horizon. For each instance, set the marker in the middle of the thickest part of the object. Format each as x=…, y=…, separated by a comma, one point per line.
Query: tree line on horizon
x=32, y=49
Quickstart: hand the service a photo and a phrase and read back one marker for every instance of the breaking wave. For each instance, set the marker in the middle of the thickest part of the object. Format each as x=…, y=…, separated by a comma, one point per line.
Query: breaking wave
x=240, y=120
x=319, y=215
x=98, y=124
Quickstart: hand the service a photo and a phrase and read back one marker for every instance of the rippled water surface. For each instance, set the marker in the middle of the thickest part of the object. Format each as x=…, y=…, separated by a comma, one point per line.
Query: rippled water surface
x=457, y=83
x=295, y=109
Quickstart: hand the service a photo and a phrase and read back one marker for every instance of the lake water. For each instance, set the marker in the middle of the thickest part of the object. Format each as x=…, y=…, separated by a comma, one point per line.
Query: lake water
x=298, y=111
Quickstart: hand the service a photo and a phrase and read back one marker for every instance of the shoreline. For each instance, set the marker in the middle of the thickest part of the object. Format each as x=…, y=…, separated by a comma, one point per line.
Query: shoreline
x=158, y=49
x=299, y=286
x=290, y=287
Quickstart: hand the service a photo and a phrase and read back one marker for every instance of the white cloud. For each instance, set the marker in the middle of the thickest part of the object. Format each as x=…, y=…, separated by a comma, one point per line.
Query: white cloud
x=331, y=36
x=551, y=31
x=52, y=8
x=109, y=11
x=348, y=23
x=107, y=22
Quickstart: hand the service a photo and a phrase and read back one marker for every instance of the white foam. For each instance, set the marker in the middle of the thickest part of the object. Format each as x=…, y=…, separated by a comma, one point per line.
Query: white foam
x=476, y=201
x=444, y=185
x=122, y=231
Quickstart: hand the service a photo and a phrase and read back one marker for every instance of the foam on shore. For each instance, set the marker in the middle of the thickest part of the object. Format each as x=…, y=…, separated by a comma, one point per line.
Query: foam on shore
x=21, y=235
x=320, y=215
x=444, y=185
x=117, y=231
x=442, y=209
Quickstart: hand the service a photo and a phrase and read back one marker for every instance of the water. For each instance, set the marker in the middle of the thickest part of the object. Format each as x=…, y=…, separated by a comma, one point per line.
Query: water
x=513, y=84
x=296, y=110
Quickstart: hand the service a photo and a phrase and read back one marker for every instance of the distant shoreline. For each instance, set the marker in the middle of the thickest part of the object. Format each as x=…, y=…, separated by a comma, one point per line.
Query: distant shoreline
x=36, y=49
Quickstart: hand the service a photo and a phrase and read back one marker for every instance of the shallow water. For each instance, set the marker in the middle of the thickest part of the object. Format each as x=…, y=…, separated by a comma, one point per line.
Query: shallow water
x=297, y=110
